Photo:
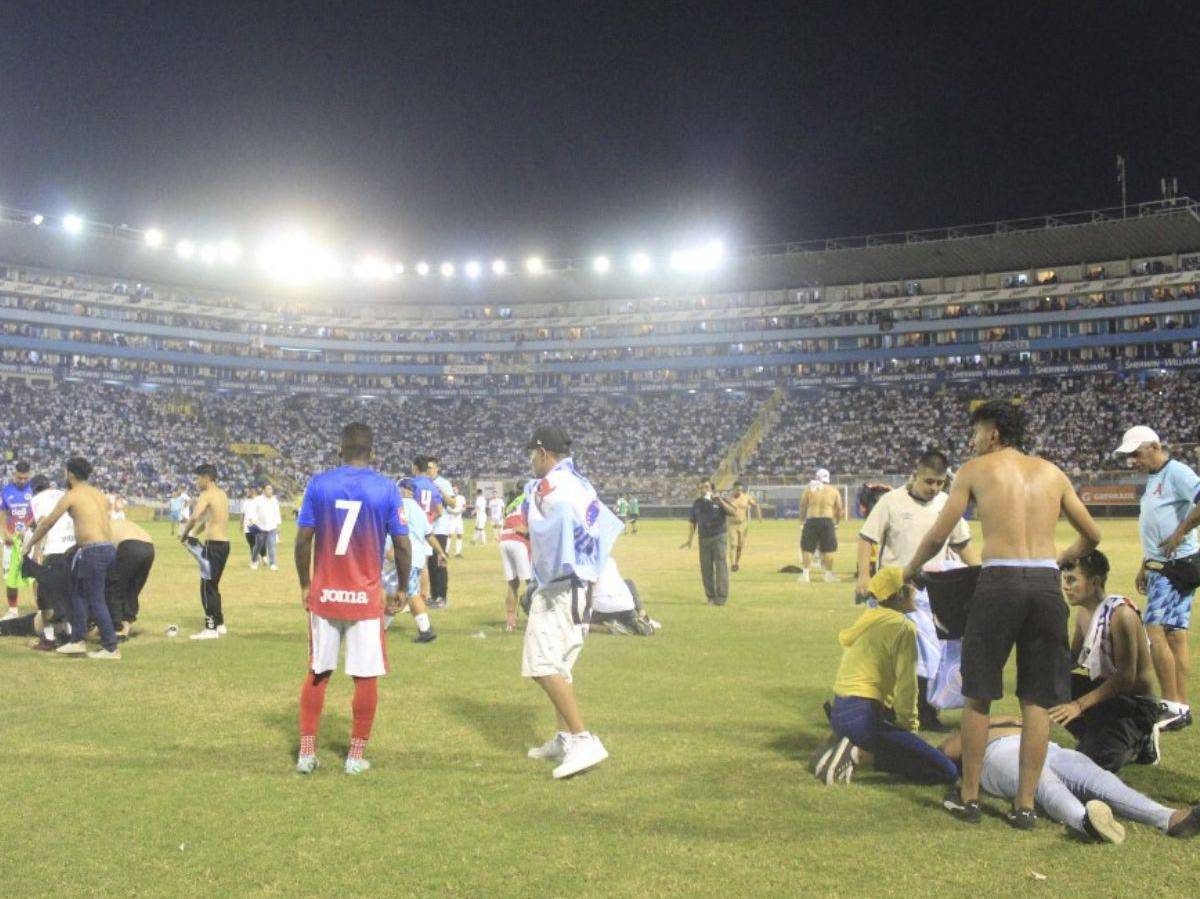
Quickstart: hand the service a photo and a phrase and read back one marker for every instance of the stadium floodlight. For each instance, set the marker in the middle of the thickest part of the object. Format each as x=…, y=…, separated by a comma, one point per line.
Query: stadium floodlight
x=601, y=265
x=292, y=258
x=185, y=249
x=208, y=254
x=371, y=268
x=398, y=268
x=640, y=263
x=72, y=223
x=37, y=218
x=499, y=267
x=153, y=238
x=229, y=251
x=447, y=269
x=699, y=259
x=473, y=269
x=534, y=265
x=422, y=268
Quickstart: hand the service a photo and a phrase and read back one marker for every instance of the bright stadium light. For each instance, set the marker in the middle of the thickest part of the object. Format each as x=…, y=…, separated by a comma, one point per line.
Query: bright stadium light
x=601, y=265
x=153, y=238
x=38, y=218
x=72, y=223
x=640, y=263
x=499, y=267
x=534, y=265
x=398, y=268
x=447, y=269
x=185, y=249
x=473, y=269
x=208, y=254
x=699, y=259
x=292, y=258
x=229, y=252
x=422, y=268
x=372, y=268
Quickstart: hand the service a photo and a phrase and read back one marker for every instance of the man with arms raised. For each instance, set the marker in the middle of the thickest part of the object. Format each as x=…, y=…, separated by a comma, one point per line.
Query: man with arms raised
x=1017, y=600
x=88, y=508
x=211, y=514
x=1167, y=523
x=345, y=517
x=739, y=525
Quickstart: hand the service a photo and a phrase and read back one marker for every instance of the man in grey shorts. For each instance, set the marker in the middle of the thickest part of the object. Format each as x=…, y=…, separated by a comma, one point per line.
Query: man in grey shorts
x=1017, y=601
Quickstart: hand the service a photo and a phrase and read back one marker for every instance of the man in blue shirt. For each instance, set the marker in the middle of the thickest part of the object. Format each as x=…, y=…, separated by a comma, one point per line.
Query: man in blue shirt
x=16, y=507
x=1167, y=525
x=429, y=498
x=439, y=574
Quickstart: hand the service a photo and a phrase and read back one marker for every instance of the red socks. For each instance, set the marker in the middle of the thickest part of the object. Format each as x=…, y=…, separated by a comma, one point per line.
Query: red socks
x=312, y=701
x=366, y=696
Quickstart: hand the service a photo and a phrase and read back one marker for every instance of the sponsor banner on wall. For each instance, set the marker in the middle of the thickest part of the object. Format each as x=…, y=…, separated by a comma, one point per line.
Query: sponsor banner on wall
x=1109, y=494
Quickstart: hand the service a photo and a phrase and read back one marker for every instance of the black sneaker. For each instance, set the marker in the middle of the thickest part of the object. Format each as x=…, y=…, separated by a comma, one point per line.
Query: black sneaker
x=1100, y=825
x=840, y=767
x=819, y=761
x=1021, y=818
x=437, y=602
x=1177, y=722
x=966, y=811
x=733, y=568
x=1188, y=827
x=425, y=636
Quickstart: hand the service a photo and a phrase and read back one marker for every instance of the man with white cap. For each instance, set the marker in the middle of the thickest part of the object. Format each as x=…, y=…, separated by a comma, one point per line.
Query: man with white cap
x=1167, y=524
x=821, y=508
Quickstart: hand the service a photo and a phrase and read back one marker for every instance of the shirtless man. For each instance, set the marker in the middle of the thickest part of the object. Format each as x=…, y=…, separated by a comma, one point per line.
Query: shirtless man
x=821, y=509
x=1018, y=500
x=211, y=513
x=739, y=524
x=88, y=508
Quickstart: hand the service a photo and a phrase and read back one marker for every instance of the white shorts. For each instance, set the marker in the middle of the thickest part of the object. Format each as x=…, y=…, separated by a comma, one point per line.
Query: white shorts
x=515, y=557
x=480, y=523
x=366, y=651
x=555, y=630
x=456, y=526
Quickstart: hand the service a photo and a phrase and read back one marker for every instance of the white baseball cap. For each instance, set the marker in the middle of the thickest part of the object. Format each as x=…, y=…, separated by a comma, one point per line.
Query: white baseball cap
x=823, y=473
x=1134, y=438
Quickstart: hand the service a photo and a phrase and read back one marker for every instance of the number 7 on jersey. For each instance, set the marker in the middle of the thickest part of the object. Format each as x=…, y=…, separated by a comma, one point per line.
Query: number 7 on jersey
x=352, y=507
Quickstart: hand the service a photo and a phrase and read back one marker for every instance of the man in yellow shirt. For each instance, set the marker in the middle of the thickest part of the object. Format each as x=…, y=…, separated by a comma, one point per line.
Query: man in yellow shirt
x=874, y=713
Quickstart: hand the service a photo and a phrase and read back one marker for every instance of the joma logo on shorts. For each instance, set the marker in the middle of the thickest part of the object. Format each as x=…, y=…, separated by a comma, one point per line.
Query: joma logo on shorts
x=355, y=597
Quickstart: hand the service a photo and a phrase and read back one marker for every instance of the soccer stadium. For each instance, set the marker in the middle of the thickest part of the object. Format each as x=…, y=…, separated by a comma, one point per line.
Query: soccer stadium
x=842, y=566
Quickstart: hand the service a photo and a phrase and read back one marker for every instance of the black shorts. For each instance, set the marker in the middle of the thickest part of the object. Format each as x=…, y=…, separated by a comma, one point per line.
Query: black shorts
x=1022, y=606
x=53, y=578
x=1117, y=731
x=818, y=533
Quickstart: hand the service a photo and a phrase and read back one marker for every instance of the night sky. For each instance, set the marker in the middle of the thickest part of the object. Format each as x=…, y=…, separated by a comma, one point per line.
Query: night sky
x=478, y=128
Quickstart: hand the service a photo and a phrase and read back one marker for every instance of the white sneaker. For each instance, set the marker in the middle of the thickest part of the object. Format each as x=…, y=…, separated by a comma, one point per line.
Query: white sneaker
x=583, y=753
x=274, y=567
x=10, y=614
x=554, y=749
x=804, y=578
x=306, y=764
x=73, y=649
x=105, y=654
x=830, y=577
x=357, y=766
x=206, y=634
x=221, y=630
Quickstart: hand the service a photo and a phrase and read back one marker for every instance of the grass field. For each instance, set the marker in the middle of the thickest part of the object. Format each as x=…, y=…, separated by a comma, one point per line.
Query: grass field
x=170, y=772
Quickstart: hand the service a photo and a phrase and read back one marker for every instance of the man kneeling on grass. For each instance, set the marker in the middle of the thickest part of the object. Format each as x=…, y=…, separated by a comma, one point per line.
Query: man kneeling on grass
x=1073, y=790
x=874, y=712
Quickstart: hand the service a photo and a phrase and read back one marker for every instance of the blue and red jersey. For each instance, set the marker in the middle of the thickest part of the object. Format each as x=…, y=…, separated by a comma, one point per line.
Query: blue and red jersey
x=352, y=512
x=18, y=502
x=428, y=496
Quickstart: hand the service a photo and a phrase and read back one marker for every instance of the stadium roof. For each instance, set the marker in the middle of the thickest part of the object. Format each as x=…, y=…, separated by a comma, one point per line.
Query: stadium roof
x=1159, y=228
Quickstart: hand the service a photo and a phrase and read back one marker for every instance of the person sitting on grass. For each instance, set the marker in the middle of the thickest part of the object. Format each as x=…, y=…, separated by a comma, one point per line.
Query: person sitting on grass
x=616, y=606
x=1113, y=713
x=874, y=711
x=1073, y=790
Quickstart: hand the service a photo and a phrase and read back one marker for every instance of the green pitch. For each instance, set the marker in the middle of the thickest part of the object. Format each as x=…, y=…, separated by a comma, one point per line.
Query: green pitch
x=170, y=772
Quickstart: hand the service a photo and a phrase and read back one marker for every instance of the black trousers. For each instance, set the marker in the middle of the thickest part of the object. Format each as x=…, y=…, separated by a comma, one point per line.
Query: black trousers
x=217, y=554
x=53, y=578
x=439, y=576
x=1113, y=733
x=19, y=627
x=126, y=578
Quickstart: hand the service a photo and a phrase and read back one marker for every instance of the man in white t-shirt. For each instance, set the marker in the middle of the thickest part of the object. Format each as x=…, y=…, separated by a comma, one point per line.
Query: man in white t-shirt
x=495, y=508
x=49, y=564
x=893, y=530
x=269, y=520
x=439, y=575
x=480, y=535
x=617, y=607
x=458, y=508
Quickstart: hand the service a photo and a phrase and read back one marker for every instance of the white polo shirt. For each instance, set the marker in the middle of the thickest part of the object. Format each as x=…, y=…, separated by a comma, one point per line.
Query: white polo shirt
x=898, y=523
x=61, y=537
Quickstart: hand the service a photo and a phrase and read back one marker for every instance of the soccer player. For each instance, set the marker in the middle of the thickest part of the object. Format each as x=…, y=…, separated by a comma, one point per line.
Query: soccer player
x=211, y=516
x=1017, y=600
x=635, y=507
x=479, y=538
x=739, y=524
x=88, y=509
x=821, y=509
x=622, y=510
x=439, y=573
x=458, y=508
x=429, y=497
x=178, y=508
x=1169, y=515
x=345, y=518
x=496, y=514
x=417, y=578
x=15, y=499
x=514, y=556
x=571, y=536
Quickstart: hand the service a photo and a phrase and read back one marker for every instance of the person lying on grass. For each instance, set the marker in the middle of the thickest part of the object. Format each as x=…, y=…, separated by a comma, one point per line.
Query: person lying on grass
x=1073, y=790
x=874, y=710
